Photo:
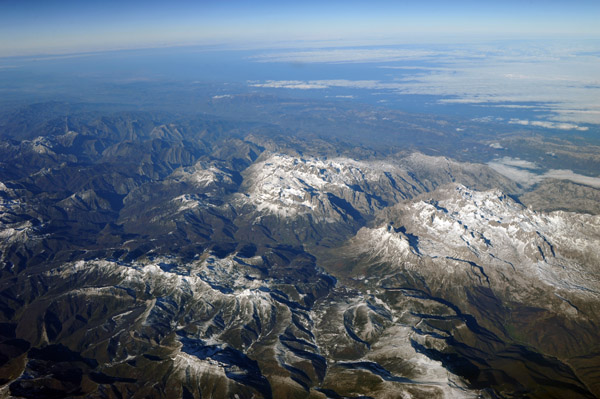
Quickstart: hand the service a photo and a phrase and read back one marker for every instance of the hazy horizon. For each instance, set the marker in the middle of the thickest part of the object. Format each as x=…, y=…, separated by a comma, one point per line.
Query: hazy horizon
x=69, y=27
x=528, y=63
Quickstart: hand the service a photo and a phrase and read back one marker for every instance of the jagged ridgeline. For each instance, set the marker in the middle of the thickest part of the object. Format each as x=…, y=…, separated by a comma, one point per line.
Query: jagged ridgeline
x=146, y=255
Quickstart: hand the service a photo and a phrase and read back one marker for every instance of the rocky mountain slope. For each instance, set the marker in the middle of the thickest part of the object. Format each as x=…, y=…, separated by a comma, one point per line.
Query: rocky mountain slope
x=523, y=278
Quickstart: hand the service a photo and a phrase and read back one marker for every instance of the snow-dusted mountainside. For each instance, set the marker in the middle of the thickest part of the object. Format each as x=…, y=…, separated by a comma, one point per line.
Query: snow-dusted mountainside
x=289, y=186
x=308, y=200
x=223, y=326
x=462, y=229
x=13, y=227
x=526, y=276
x=332, y=189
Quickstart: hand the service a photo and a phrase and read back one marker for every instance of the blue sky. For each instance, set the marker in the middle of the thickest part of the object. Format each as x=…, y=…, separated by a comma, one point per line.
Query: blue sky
x=70, y=26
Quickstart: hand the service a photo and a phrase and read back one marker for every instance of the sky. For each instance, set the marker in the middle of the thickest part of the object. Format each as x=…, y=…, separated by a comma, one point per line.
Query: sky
x=33, y=27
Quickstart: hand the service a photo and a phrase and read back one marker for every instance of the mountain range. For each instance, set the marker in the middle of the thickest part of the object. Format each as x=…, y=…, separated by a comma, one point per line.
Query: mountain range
x=154, y=255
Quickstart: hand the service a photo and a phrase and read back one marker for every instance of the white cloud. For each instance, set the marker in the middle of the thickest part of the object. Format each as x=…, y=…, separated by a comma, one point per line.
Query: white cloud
x=589, y=115
x=290, y=84
x=522, y=176
x=325, y=84
x=548, y=124
x=515, y=106
x=517, y=162
x=345, y=55
x=521, y=171
x=567, y=87
x=565, y=174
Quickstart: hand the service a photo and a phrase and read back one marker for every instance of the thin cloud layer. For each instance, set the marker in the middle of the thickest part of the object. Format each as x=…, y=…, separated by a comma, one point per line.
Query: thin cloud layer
x=563, y=174
x=523, y=173
x=345, y=56
x=562, y=81
x=517, y=162
x=548, y=124
x=325, y=84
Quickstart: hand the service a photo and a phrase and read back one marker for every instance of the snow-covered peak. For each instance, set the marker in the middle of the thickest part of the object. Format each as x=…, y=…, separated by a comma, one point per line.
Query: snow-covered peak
x=387, y=242
x=317, y=172
x=289, y=186
x=41, y=145
x=203, y=174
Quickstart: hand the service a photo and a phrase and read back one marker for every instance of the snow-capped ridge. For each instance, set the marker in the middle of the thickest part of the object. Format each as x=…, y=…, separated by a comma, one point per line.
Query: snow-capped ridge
x=289, y=186
x=203, y=174
x=489, y=235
